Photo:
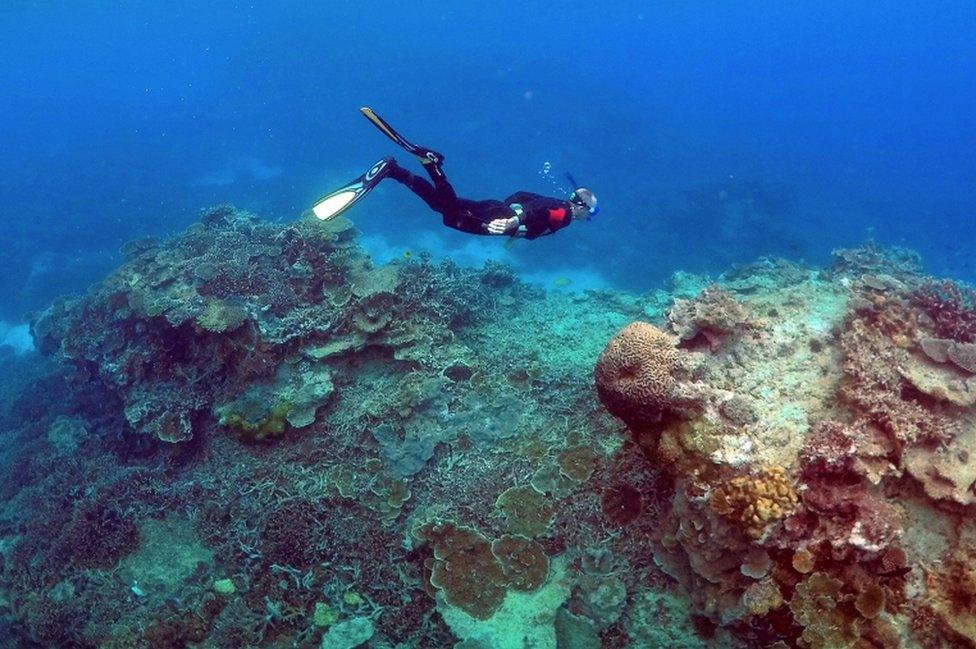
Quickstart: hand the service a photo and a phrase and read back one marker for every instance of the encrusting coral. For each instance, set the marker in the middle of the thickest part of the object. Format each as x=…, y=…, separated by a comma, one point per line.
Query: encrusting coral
x=714, y=314
x=756, y=501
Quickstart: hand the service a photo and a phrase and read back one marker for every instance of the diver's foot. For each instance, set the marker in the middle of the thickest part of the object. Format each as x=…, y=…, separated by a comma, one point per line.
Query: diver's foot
x=335, y=203
x=429, y=156
x=380, y=170
x=425, y=155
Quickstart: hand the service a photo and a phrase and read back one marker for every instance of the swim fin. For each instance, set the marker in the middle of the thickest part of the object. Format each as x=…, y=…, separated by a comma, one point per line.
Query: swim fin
x=426, y=156
x=335, y=203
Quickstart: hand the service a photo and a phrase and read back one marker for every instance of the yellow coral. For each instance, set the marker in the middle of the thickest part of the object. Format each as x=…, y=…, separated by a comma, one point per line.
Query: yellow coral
x=756, y=500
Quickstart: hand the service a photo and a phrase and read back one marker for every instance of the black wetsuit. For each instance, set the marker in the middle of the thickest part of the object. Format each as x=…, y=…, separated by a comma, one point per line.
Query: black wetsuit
x=541, y=215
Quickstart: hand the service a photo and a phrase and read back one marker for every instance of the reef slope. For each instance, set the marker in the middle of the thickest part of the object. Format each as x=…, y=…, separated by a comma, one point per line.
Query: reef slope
x=250, y=435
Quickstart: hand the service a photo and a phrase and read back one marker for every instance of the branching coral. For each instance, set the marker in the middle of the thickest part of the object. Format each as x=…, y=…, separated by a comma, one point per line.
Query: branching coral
x=950, y=309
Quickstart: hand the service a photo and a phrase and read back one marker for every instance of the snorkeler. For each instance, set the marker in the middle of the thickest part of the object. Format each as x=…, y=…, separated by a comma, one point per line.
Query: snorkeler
x=523, y=214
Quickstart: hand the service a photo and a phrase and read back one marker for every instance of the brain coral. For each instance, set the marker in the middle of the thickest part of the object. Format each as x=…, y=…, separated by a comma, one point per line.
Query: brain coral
x=634, y=373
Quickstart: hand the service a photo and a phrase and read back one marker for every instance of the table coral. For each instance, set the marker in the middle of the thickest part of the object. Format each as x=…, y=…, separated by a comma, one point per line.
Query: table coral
x=946, y=471
x=950, y=307
x=526, y=511
x=474, y=573
x=523, y=561
x=578, y=462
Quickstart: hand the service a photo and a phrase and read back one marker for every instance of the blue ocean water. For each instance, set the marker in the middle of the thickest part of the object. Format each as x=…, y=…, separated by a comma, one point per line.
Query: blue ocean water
x=712, y=132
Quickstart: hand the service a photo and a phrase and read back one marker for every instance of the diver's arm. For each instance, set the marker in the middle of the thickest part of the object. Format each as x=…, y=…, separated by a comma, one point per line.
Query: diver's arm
x=511, y=225
x=544, y=216
x=503, y=226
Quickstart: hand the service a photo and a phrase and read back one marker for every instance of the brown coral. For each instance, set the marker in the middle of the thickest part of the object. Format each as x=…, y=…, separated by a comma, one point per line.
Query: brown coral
x=474, y=573
x=465, y=570
x=946, y=471
x=952, y=593
x=526, y=511
x=634, y=374
x=578, y=462
x=523, y=561
x=817, y=607
x=756, y=500
x=870, y=602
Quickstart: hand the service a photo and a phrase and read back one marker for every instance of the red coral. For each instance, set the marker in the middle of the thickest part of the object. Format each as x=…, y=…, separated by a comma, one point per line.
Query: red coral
x=621, y=503
x=289, y=534
x=97, y=536
x=950, y=309
x=877, y=391
x=840, y=506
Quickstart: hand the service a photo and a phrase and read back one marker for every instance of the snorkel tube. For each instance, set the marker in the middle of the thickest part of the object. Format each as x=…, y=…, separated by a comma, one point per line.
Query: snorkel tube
x=592, y=209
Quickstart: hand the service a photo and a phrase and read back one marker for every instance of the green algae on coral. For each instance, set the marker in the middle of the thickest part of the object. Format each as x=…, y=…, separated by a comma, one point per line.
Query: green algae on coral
x=266, y=410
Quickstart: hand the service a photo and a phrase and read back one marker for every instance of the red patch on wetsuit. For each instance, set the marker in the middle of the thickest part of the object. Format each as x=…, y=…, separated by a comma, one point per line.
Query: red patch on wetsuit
x=557, y=217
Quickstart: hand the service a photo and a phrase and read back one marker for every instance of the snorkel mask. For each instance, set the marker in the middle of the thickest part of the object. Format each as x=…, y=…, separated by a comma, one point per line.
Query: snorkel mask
x=583, y=197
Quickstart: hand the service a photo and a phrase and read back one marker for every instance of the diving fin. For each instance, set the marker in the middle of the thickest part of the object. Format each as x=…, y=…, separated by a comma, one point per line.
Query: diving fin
x=335, y=203
x=426, y=156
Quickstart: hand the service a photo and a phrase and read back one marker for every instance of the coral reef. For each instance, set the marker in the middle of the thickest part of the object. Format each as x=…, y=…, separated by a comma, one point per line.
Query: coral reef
x=714, y=314
x=828, y=466
x=636, y=374
x=250, y=435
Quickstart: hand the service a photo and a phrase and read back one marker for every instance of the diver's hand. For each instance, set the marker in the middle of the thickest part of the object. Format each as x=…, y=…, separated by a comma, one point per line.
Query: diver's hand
x=501, y=226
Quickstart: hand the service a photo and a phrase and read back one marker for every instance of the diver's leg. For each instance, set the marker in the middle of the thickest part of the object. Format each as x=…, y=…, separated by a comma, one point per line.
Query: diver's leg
x=444, y=189
x=436, y=197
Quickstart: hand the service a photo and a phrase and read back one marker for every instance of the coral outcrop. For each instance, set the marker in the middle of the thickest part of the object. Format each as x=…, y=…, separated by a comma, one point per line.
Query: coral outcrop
x=251, y=435
x=639, y=374
x=828, y=469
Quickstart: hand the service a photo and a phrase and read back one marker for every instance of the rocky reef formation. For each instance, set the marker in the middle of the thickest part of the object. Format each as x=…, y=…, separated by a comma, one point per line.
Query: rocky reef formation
x=250, y=435
x=823, y=482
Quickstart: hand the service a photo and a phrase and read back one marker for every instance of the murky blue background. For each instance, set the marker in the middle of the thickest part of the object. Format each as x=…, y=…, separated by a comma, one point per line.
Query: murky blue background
x=711, y=132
